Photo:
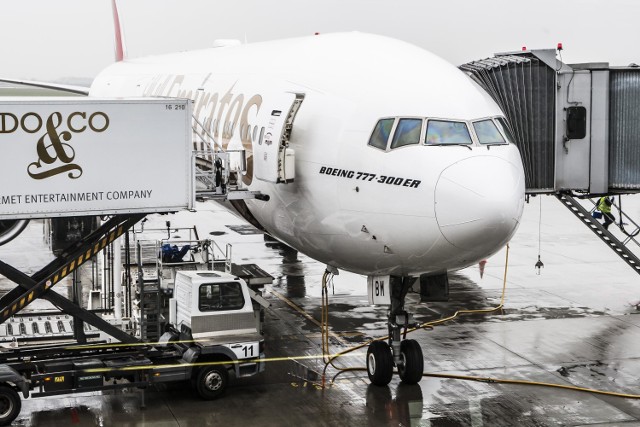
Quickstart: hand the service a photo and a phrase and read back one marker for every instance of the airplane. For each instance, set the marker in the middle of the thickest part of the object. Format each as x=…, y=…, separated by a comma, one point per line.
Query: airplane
x=373, y=155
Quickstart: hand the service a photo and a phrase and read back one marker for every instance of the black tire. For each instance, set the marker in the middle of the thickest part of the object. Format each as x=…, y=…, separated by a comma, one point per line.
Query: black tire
x=211, y=381
x=411, y=369
x=10, y=405
x=379, y=363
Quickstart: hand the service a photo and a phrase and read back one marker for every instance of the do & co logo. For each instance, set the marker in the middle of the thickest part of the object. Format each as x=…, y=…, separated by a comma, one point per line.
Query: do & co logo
x=53, y=148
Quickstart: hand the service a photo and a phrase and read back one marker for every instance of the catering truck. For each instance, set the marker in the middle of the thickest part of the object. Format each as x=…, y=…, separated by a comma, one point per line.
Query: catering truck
x=213, y=334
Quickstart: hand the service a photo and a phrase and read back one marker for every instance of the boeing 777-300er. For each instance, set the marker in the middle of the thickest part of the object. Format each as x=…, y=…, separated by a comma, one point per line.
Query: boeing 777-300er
x=372, y=155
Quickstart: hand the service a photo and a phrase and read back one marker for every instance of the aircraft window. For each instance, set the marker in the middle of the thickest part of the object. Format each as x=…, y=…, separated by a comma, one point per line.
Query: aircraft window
x=407, y=133
x=506, y=130
x=381, y=133
x=255, y=133
x=261, y=135
x=488, y=133
x=440, y=132
x=220, y=296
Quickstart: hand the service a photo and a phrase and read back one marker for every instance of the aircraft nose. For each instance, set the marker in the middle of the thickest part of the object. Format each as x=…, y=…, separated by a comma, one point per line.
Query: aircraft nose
x=479, y=202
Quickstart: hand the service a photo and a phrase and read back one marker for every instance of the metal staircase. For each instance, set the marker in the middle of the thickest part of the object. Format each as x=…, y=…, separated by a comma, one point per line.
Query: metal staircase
x=619, y=247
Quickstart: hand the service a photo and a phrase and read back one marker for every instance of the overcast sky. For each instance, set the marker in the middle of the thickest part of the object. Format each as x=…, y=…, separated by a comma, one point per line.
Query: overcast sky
x=53, y=39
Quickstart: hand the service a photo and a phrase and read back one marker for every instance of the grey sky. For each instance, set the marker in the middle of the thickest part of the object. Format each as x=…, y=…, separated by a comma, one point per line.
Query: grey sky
x=50, y=39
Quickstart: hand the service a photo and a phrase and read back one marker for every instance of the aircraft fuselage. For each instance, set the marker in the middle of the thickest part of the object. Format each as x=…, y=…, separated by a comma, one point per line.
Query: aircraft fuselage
x=418, y=208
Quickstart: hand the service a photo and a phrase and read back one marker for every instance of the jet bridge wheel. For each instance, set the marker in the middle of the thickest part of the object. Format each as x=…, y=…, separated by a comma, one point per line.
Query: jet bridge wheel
x=10, y=405
x=410, y=370
x=211, y=381
x=379, y=363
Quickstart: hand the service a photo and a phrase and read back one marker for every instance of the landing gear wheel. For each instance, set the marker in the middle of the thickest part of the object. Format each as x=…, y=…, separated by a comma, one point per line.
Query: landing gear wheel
x=410, y=370
x=211, y=381
x=379, y=363
x=10, y=405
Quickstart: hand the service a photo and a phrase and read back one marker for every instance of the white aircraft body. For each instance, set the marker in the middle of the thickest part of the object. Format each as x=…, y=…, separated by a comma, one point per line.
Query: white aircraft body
x=419, y=208
x=372, y=155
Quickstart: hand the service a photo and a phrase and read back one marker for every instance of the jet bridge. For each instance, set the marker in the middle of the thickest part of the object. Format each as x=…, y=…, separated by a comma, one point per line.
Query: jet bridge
x=578, y=130
x=577, y=126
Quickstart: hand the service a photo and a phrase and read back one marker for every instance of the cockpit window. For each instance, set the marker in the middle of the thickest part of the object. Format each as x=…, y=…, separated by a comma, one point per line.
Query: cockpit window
x=381, y=133
x=440, y=132
x=506, y=130
x=488, y=133
x=407, y=133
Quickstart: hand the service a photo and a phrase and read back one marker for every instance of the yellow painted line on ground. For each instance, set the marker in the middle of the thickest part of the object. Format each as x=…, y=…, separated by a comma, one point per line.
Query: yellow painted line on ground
x=293, y=305
x=340, y=334
x=301, y=311
x=224, y=362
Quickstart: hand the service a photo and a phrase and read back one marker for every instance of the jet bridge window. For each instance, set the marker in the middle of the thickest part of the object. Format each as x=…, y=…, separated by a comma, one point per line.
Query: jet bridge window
x=441, y=132
x=220, y=296
x=488, y=133
x=407, y=133
x=380, y=135
x=576, y=122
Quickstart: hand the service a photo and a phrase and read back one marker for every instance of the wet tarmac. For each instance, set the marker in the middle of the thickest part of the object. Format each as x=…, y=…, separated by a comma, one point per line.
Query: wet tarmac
x=576, y=323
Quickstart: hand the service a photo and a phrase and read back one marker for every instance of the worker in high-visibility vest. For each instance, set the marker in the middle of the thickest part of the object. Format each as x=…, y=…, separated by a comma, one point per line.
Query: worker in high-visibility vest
x=604, y=206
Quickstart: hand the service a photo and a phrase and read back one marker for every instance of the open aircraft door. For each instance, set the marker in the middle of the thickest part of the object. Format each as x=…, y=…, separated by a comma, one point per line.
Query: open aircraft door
x=274, y=160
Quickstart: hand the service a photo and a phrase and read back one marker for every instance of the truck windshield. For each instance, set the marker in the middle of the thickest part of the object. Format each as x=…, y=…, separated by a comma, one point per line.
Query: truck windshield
x=220, y=296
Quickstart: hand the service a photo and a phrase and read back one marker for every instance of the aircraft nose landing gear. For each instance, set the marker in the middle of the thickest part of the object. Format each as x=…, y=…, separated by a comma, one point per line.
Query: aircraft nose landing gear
x=405, y=354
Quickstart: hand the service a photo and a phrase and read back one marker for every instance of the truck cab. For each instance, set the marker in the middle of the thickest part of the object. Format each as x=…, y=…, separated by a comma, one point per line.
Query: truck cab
x=221, y=316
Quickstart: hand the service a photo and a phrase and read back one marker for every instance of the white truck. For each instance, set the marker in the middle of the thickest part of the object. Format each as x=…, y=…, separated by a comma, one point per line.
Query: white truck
x=213, y=333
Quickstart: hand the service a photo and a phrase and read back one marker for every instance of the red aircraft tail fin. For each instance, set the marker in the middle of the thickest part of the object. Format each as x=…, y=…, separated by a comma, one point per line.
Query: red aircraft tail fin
x=120, y=48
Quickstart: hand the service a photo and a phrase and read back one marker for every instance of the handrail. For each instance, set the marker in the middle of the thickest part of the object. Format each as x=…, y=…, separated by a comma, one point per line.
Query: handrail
x=218, y=146
x=630, y=236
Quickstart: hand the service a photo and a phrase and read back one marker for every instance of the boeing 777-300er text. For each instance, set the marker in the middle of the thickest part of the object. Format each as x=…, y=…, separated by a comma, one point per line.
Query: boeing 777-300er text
x=372, y=155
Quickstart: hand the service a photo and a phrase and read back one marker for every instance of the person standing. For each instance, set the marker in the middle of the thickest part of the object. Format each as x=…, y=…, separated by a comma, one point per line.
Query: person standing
x=604, y=206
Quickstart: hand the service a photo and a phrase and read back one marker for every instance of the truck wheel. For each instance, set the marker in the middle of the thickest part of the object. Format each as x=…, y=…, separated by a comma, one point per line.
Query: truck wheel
x=10, y=405
x=211, y=381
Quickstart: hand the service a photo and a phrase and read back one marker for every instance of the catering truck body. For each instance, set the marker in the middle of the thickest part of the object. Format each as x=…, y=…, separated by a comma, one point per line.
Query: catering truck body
x=213, y=333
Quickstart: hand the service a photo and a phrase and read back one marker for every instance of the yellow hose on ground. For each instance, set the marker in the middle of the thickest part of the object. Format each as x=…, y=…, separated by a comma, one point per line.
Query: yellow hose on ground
x=330, y=359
